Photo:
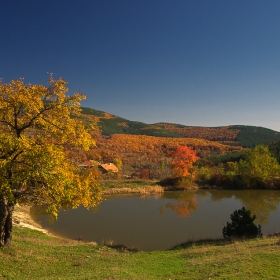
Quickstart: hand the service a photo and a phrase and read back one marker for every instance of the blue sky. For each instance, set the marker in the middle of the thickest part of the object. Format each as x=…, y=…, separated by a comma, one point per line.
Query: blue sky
x=193, y=62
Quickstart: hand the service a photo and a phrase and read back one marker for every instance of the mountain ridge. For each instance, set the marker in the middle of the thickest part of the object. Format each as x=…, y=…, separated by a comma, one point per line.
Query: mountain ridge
x=240, y=135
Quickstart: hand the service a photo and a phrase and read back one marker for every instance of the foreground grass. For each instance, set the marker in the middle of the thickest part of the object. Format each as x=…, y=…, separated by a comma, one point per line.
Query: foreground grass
x=34, y=255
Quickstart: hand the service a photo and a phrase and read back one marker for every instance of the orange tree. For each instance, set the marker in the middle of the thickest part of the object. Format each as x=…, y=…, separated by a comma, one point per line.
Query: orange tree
x=37, y=129
x=183, y=158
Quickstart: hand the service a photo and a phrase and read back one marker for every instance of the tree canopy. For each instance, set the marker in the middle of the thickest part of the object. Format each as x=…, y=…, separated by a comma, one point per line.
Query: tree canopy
x=37, y=130
x=183, y=158
x=258, y=166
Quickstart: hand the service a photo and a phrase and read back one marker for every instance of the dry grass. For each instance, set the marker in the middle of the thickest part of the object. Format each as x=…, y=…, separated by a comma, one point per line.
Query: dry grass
x=147, y=190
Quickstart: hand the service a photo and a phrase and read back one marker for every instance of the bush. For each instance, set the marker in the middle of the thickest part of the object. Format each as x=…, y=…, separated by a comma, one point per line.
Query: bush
x=242, y=225
x=177, y=182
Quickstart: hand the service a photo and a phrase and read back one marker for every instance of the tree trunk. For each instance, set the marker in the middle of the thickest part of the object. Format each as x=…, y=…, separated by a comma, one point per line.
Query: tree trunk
x=6, y=225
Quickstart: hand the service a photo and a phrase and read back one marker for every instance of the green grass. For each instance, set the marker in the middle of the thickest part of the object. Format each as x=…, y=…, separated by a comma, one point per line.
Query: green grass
x=34, y=255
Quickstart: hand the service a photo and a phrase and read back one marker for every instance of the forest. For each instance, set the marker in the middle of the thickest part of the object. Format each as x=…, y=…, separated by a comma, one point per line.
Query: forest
x=222, y=153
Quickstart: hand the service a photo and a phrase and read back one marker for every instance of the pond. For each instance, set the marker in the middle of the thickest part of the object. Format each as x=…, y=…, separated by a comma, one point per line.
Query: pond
x=162, y=222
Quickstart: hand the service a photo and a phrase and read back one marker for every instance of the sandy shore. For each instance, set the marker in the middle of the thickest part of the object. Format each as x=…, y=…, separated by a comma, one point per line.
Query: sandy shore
x=22, y=218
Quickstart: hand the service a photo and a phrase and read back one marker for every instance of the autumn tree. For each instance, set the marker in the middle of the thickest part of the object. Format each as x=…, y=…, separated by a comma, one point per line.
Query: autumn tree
x=183, y=158
x=37, y=127
x=145, y=173
x=119, y=164
x=258, y=166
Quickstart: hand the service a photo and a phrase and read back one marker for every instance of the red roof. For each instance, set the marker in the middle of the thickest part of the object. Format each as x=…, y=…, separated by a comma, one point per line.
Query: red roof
x=110, y=167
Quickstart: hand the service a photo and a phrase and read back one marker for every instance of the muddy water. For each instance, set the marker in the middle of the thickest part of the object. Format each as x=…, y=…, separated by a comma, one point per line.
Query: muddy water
x=157, y=223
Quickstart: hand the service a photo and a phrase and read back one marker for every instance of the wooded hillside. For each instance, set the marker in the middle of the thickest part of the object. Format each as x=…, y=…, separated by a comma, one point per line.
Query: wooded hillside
x=239, y=135
x=139, y=151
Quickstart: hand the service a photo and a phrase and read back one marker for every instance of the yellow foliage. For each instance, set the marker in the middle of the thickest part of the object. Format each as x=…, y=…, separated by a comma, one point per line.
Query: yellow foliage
x=36, y=129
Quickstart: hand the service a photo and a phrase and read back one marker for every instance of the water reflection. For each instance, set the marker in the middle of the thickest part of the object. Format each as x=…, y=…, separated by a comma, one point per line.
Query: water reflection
x=153, y=223
x=260, y=202
x=185, y=204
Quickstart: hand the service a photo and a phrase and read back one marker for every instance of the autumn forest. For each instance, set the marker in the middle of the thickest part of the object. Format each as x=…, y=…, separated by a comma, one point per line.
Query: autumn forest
x=149, y=151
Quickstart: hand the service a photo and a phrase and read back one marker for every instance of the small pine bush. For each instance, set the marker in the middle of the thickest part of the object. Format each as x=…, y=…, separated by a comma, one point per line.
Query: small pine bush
x=242, y=225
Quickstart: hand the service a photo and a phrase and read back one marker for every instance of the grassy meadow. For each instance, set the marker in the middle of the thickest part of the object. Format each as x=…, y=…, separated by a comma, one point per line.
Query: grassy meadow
x=35, y=255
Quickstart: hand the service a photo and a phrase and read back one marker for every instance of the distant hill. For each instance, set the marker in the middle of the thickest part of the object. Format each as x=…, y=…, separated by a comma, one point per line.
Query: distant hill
x=238, y=135
x=110, y=124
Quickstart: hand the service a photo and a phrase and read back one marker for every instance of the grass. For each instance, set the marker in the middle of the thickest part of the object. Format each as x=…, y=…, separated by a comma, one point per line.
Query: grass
x=111, y=184
x=142, y=187
x=34, y=255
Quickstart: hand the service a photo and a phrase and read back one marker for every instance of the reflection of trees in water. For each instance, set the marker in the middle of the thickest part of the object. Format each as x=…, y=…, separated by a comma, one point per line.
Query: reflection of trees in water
x=38, y=212
x=186, y=202
x=260, y=202
x=218, y=195
x=203, y=194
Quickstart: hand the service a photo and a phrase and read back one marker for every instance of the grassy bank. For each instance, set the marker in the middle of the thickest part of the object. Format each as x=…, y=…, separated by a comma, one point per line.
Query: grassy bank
x=112, y=187
x=128, y=183
x=34, y=255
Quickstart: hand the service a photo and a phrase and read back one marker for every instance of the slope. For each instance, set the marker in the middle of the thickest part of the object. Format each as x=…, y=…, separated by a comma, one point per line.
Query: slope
x=238, y=135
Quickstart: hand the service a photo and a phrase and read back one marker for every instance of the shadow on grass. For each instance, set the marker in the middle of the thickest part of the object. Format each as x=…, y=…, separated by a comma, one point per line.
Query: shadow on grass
x=122, y=248
x=119, y=247
x=203, y=242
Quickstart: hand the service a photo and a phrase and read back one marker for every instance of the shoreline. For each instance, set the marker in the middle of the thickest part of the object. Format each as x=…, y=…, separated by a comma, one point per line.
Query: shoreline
x=22, y=218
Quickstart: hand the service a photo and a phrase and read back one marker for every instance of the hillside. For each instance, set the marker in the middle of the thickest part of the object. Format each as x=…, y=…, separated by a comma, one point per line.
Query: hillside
x=110, y=124
x=237, y=135
x=141, y=150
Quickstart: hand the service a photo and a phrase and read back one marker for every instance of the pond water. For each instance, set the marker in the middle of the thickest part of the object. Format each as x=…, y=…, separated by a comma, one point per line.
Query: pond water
x=162, y=222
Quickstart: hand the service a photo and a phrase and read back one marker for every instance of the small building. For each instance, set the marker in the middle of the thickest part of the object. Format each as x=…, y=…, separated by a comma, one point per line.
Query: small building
x=108, y=167
x=104, y=168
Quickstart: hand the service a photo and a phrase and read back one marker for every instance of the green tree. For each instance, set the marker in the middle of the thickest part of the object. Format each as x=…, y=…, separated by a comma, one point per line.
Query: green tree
x=119, y=164
x=258, y=166
x=37, y=129
x=242, y=225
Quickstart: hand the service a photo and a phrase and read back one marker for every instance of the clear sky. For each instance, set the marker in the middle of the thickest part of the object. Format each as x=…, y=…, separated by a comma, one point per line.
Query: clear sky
x=193, y=62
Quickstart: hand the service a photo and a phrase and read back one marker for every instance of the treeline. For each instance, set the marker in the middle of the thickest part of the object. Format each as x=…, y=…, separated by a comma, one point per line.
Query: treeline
x=252, y=168
x=252, y=136
x=109, y=124
x=219, y=165
x=143, y=153
x=224, y=133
